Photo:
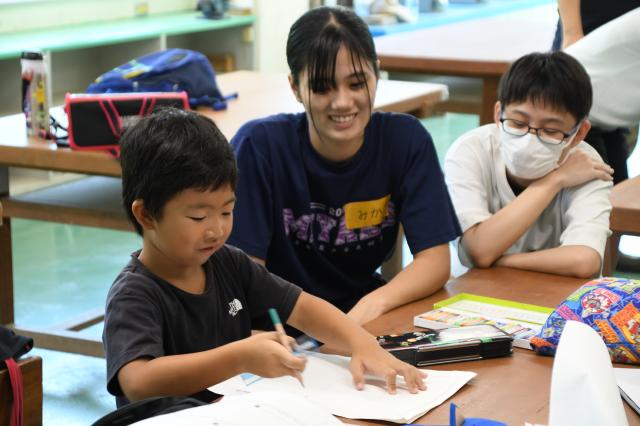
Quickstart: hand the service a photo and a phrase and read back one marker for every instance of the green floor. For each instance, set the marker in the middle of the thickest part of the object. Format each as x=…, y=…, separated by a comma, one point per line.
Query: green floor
x=62, y=271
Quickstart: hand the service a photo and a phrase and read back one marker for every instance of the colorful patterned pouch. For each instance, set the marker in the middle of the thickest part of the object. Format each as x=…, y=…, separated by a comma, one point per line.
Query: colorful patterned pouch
x=611, y=306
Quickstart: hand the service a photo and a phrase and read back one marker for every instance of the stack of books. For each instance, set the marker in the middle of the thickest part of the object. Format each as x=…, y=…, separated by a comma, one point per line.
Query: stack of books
x=520, y=320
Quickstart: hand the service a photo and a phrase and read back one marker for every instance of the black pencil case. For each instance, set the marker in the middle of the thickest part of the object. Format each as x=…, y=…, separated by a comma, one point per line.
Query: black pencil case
x=454, y=344
x=96, y=121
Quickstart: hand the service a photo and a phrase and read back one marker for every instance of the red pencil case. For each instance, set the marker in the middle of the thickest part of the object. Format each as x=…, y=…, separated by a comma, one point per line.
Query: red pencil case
x=96, y=121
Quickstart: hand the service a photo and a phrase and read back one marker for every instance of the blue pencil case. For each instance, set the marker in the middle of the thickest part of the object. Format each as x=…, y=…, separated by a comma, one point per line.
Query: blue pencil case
x=611, y=306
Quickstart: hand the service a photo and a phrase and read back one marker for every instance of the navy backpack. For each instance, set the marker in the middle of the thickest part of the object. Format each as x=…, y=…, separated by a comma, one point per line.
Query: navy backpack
x=171, y=70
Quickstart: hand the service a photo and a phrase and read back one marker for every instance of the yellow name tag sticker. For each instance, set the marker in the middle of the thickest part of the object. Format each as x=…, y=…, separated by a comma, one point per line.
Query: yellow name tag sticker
x=361, y=214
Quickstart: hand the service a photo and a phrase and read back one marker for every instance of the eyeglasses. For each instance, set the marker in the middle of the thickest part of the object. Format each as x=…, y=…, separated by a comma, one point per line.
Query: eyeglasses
x=544, y=134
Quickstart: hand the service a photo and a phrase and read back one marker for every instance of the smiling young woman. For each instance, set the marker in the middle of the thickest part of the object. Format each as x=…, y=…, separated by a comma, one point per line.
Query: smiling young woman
x=322, y=194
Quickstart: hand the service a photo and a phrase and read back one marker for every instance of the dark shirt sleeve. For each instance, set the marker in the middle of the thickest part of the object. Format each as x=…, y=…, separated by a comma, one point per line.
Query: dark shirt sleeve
x=253, y=220
x=132, y=326
x=264, y=290
x=427, y=215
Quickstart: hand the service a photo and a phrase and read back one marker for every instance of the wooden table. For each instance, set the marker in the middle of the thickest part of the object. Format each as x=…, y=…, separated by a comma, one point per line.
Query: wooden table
x=482, y=48
x=624, y=219
x=513, y=389
x=96, y=201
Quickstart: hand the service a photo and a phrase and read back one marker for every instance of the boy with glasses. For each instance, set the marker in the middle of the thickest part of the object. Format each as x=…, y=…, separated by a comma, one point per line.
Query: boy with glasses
x=528, y=192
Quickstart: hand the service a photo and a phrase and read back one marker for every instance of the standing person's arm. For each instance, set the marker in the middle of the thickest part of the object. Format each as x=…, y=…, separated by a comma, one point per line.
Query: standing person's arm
x=571, y=19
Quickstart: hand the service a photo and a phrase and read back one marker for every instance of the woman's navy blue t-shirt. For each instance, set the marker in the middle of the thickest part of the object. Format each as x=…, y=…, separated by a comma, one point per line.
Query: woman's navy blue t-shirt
x=327, y=227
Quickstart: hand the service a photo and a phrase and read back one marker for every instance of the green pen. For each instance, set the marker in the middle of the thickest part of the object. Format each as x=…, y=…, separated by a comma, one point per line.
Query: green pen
x=282, y=336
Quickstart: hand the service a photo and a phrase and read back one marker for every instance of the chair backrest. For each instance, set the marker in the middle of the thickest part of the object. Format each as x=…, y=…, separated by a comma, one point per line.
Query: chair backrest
x=149, y=407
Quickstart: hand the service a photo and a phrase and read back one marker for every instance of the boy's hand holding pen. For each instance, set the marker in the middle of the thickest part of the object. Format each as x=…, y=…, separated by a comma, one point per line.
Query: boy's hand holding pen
x=285, y=340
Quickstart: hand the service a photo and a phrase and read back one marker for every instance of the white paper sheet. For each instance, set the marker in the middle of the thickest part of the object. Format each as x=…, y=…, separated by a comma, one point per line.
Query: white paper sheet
x=264, y=409
x=231, y=386
x=628, y=380
x=583, y=387
x=328, y=383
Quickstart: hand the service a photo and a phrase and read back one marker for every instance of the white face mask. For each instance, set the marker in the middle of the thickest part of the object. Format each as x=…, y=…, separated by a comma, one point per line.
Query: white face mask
x=528, y=158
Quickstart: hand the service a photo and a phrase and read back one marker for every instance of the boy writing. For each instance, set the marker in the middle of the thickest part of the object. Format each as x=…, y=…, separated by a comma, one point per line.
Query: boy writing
x=528, y=192
x=179, y=316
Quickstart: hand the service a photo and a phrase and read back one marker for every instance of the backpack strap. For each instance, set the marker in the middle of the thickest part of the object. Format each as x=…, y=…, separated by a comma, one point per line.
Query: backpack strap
x=216, y=103
x=15, y=376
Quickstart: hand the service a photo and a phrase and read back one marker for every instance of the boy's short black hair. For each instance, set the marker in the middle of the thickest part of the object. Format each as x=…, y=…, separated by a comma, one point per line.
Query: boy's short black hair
x=169, y=152
x=552, y=79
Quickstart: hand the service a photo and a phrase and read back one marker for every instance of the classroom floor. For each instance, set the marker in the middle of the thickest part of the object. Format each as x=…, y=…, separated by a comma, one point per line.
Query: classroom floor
x=61, y=271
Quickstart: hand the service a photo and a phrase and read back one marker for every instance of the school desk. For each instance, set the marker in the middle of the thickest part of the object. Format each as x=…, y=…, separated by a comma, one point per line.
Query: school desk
x=514, y=389
x=482, y=48
x=31, y=368
x=95, y=201
x=454, y=12
x=624, y=219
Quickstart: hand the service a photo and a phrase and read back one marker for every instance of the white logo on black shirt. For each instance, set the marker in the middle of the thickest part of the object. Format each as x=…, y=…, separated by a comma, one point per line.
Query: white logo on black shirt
x=234, y=307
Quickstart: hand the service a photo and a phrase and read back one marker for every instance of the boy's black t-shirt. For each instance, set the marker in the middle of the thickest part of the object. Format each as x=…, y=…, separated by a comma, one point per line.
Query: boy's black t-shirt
x=146, y=317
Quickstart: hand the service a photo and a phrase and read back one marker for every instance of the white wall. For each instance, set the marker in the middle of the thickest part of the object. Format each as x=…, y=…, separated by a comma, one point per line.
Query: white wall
x=273, y=20
x=35, y=14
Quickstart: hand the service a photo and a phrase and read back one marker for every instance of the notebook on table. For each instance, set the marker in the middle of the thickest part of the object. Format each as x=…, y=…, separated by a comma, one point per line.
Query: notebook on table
x=520, y=320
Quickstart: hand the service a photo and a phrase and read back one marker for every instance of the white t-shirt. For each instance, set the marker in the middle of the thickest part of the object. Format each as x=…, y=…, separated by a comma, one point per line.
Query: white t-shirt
x=476, y=178
x=611, y=56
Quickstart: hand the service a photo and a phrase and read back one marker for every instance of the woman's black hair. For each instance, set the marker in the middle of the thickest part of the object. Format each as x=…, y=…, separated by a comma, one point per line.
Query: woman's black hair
x=317, y=36
x=552, y=79
x=169, y=152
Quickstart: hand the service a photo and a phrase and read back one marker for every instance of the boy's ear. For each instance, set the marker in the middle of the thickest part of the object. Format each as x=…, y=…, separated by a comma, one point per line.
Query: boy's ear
x=142, y=215
x=496, y=112
x=294, y=88
x=581, y=133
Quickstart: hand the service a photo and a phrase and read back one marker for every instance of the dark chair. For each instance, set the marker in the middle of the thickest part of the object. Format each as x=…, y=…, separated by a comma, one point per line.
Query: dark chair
x=140, y=410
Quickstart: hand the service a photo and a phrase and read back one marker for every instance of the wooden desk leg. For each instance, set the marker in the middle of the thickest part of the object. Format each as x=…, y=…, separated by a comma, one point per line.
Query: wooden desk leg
x=6, y=274
x=489, y=97
x=6, y=263
x=611, y=255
